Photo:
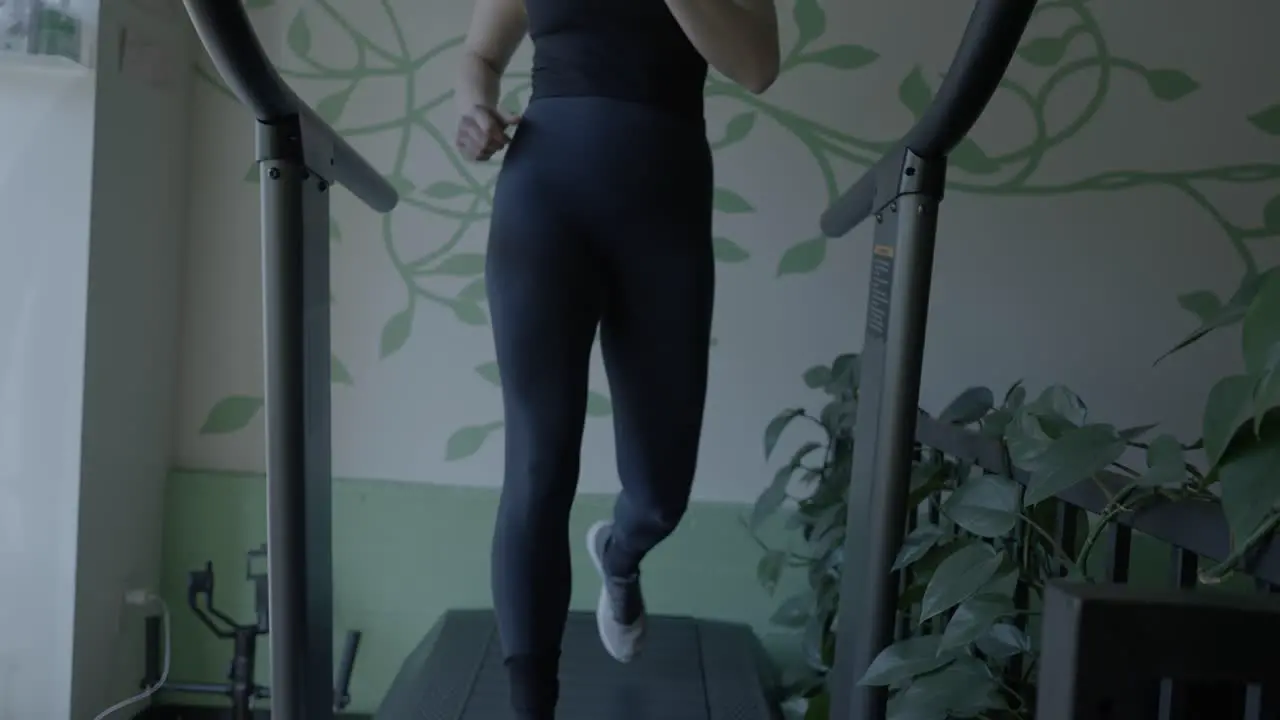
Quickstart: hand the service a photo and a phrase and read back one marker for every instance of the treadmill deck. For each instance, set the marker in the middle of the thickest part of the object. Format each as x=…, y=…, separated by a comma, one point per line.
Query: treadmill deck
x=690, y=670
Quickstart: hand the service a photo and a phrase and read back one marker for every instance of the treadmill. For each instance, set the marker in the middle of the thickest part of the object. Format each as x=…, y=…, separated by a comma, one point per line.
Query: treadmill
x=692, y=669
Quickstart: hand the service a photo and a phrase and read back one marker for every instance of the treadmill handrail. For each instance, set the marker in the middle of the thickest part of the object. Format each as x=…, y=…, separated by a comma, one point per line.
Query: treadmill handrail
x=229, y=37
x=990, y=39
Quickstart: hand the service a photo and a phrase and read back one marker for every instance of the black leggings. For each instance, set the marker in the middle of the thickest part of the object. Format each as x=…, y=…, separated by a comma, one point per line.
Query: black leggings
x=602, y=218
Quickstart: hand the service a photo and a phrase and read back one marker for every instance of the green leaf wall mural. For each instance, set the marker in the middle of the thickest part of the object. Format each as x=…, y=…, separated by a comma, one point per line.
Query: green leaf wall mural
x=1066, y=47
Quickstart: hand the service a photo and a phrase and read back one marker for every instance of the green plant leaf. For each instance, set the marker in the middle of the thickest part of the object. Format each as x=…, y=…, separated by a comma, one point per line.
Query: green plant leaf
x=810, y=19
x=817, y=377
x=461, y=265
x=489, y=371
x=1229, y=407
x=1271, y=215
x=843, y=57
x=769, y=569
x=1004, y=640
x=964, y=689
x=1261, y=328
x=299, y=35
x=814, y=640
x=905, y=660
x=772, y=498
x=1170, y=85
x=728, y=251
x=467, y=441
x=968, y=407
x=727, y=201
x=794, y=611
x=916, y=544
x=986, y=506
x=1060, y=402
x=469, y=313
x=338, y=372
x=331, y=107
x=1248, y=479
x=839, y=416
x=598, y=405
x=803, y=257
x=970, y=157
x=230, y=414
x=914, y=92
x=774, y=429
x=475, y=291
x=1045, y=51
x=1232, y=312
x=1203, y=304
x=1267, y=120
x=1078, y=455
x=973, y=618
x=959, y=577
x=395, y=333
x=1136, y=432
x=1166, y=463
x=1026, y=439
x=926, y=479
x=737, y=129
x=445, y=190
x=845, y=372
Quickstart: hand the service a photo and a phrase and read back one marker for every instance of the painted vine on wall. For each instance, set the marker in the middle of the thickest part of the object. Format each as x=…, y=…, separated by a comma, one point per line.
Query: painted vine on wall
x=1065, y=43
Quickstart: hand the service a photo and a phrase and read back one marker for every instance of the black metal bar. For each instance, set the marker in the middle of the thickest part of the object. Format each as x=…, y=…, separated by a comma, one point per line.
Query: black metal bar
x=1119, y=547
x=986, y=49
x=1105, y=642
x=1199, y=527
x=1174, y=695
x=243, y=671
x=227, y=34
x=1257, y=703
x=295, y=261
x=892, y=353
x=152, y=651
x=1066, y=532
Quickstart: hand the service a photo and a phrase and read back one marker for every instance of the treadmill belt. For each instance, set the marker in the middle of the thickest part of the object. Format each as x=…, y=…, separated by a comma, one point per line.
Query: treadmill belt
x=690, y=670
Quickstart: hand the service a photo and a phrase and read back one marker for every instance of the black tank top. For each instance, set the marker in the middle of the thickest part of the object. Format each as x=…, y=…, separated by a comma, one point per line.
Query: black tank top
x=624, y=49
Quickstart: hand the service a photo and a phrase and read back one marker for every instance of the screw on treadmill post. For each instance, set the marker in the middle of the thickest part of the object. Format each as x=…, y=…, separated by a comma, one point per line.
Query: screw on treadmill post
x=323, y=186
x=879, y=218
x=274, y=173
x=893, y=207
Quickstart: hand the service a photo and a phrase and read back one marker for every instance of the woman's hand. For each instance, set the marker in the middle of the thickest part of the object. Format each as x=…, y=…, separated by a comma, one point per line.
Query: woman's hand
x=482, y=132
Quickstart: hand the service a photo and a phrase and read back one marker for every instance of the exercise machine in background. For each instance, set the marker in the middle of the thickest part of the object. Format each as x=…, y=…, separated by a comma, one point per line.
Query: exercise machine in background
x=695, y=669
x=902, y=191
x=241, y=688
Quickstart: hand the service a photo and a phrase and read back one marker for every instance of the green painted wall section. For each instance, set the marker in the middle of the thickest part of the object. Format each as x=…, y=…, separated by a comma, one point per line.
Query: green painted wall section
x=406, y=552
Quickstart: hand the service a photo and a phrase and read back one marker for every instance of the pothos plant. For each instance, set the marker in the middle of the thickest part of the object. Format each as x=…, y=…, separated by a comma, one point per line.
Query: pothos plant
x=982, y=547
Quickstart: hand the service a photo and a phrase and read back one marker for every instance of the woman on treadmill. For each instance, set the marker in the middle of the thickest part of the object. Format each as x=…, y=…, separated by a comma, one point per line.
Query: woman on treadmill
x=601, y=218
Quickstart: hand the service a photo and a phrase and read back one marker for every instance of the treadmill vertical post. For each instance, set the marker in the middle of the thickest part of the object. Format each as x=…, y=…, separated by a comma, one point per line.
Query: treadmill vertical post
x=295, y=281
x=906, y=212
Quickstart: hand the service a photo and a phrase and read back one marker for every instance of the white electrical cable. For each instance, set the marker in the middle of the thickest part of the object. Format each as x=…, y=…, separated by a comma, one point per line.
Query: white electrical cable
x=164, y=672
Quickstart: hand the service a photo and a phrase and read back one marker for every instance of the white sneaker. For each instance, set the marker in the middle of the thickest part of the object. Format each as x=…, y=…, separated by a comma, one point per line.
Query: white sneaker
x=620, y=614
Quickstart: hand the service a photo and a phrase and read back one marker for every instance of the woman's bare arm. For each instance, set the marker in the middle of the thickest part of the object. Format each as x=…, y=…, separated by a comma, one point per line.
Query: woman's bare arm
x=737, y=37
x=497, y=29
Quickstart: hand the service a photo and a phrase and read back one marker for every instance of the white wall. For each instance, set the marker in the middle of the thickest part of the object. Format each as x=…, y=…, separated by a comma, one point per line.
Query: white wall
x=1060, y=262
x=138, y=236
x=46, y=150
